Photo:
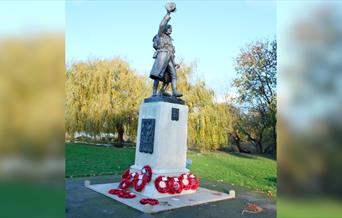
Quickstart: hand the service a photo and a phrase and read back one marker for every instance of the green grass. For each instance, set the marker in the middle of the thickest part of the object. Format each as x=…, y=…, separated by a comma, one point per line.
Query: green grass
x=254, y=172
x=88, y=160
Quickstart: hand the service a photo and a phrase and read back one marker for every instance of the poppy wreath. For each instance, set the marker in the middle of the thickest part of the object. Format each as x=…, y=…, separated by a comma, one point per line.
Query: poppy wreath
x=184, y=178
x=125, y=194
x=132, y=177
x=121, y=193
x=161, y=184
x=147, y=170
x=124, y=183
x=193, y=181
x=114, y=191
x=150, y=201
x=174, y=185
x=139, y=182
x=126, y=174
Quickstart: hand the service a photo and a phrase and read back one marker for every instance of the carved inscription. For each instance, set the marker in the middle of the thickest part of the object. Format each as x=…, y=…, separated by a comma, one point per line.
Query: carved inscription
x=147, y=135
x=175, y=114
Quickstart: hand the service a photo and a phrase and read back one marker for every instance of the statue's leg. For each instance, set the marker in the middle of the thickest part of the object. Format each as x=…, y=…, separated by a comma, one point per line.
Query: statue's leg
x=174, y=80
x=162, y=89
x=155, y=87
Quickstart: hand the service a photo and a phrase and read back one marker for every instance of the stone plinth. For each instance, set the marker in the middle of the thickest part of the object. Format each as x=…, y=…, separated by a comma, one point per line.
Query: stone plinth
x=168, y=203
x=161, y=142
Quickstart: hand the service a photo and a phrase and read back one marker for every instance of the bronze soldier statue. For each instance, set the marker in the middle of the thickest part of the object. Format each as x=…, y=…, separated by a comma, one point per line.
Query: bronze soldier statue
x=164, y=67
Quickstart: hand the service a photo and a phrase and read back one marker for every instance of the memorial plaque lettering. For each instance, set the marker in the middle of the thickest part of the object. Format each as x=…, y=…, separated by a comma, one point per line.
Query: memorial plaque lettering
x=175, y=114
x=147, y=135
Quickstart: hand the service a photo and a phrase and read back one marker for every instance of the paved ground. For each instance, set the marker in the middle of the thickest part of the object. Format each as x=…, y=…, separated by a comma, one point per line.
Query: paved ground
x=82, y=202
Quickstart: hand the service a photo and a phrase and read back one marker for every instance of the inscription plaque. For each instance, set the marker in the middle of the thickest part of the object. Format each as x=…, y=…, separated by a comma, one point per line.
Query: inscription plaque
x=147, y=135
x=175, y=114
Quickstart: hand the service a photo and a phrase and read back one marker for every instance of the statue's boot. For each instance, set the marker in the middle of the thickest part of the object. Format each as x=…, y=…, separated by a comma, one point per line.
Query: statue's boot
x=174, y=89
x=163, y=91
x=155, y=88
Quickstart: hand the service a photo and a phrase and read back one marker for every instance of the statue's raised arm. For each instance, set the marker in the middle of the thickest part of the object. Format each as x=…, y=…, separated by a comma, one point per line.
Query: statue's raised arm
x=170, y=7
x=163, y=23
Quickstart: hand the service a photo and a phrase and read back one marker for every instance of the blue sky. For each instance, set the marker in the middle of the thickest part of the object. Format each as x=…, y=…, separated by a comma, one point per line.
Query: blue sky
x=209, y=33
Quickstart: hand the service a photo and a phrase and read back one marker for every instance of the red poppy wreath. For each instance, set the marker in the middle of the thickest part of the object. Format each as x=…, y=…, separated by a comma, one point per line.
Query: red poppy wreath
x=184, y=178
x=193, y=181
x=150, y=201
x=125, y=194
x=174, y=185
x=121, y=193
x=132, y=177
x=140, y=181
x=161, y=184
x=114, y=191
x=124, y=183
x=125, y=174
x=147, y=170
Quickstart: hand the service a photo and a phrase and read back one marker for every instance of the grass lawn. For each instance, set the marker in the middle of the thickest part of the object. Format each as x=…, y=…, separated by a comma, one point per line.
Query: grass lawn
x=254, y=172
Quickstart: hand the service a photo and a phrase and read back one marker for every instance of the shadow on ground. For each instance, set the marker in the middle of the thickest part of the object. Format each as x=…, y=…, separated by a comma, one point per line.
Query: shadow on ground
x=83, y=202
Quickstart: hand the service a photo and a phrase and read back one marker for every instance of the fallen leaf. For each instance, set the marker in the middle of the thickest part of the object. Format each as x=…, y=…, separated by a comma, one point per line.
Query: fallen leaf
x=252, y=208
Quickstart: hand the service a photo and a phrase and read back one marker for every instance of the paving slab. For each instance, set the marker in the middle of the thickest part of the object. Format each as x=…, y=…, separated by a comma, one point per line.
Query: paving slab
x=201, y=196
x=82, y=202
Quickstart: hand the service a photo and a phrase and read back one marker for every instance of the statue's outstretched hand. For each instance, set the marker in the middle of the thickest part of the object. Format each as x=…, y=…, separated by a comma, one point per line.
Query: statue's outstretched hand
x=170, y=7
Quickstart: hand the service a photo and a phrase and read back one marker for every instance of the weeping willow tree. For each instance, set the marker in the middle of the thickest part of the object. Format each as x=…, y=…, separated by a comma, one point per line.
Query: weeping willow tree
x=209, y=122
x=102, y=96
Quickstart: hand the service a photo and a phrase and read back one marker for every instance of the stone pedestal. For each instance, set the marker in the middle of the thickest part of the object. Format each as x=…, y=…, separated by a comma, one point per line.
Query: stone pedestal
x=161, y=142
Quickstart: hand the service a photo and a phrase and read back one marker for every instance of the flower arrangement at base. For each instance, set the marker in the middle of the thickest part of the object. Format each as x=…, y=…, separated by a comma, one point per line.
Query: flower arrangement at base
x=161, y=184
x=150, y=201
x=121, y=193
x=124, y=183
x=135, y=179
x=193, y=181
x=184, y=178
x=139, y=182
x=174, y=185
x=132, y=177
x=147, y=171
x=125, y=174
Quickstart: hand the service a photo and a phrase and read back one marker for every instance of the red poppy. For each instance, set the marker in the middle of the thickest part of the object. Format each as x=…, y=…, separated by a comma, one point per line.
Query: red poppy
x=114, y=191
x=161, y=184
x=175, y=186
x=125, y=174
x=184, y=178
x=147, y=170
x=132, y=177
x=139, y=182
x=193, y=181
x=124, y=183
x=125, y=194
x=150, y=201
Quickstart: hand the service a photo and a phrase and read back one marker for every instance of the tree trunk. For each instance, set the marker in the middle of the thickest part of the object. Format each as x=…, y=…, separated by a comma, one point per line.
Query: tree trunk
x=258, y=147
x=237, y=142
x=275, y=137
x=121, y=132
